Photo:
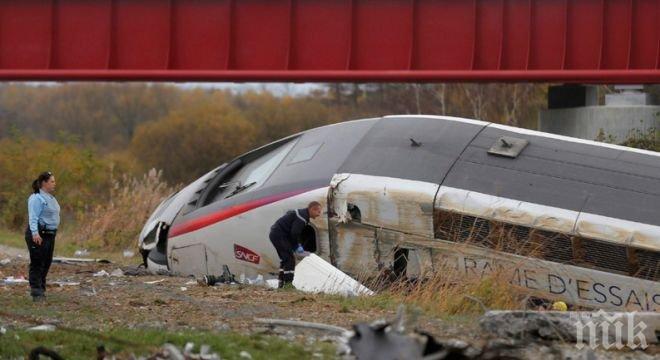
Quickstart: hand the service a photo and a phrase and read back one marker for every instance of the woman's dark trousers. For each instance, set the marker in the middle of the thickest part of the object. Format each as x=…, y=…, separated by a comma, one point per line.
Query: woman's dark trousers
x=41, y=256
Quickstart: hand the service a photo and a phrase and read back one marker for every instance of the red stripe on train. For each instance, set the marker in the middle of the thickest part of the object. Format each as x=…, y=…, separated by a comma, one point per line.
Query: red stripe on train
x=228, y=212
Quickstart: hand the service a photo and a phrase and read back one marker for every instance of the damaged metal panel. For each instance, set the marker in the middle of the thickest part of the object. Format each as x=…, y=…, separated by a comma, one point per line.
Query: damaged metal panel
x=419, y=259
x=549, y=218
x=355, y=250
x=189, y=259
x=404, y=205
x=619, y=231
x=572, y=284
x=507, y=210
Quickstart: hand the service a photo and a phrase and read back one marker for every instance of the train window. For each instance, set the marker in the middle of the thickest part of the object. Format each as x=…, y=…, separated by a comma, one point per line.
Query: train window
x=255, y=173
x=306, y=153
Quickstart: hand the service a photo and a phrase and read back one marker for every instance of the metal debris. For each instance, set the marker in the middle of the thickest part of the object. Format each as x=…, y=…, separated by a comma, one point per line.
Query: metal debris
x=226, y=278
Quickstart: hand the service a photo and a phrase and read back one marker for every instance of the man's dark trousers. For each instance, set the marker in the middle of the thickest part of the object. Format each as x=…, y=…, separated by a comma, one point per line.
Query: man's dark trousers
x=285, y=252
x=41, y=256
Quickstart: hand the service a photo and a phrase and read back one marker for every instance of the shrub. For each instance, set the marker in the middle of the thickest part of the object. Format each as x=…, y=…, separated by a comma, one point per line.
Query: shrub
x=82, y=177
x=116, y=224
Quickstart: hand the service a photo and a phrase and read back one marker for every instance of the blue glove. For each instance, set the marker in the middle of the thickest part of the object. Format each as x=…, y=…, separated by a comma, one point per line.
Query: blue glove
x=300, y=249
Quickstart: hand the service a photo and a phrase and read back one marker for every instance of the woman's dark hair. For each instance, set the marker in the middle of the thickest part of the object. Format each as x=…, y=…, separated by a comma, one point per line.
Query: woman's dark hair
x=43, y=177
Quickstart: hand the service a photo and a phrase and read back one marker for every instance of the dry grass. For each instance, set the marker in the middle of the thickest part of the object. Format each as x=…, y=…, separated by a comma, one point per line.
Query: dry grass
x=447, y=292
x=117, y=224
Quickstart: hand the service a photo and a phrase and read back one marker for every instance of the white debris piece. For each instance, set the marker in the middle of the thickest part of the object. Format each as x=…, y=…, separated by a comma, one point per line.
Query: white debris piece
x=101, y=273
x=154, y=282
x=273, y=283
x=45, y=327
x=314, y=274
x=128, y=253
x=12, y=280
x=65, y=283
x=5, y=261
x=81, y=253
x=117, y=273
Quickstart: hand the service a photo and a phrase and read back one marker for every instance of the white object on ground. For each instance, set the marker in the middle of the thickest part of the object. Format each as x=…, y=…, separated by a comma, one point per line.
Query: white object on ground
x=314, y=274
x=183, y=288
x=154, y=282
x=65, y=283
x=12, y=280
x=117, y=273
x=101, y=273
x=5, y=261
x=45, y=327
x=191, y=282
x=273, y=283
x=128, y=253
x=81, y=253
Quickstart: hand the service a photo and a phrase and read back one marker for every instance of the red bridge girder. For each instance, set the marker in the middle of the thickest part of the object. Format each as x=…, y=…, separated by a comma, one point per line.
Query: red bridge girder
x=595, y=41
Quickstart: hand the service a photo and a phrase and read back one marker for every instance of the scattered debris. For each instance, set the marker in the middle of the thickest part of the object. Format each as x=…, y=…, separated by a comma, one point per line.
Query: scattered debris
x=15, y=280
x=139, y=270
x=65, y=283
x=259, y=280
x=101, y=273
x=226, y=278
x=171, y=352
x=3, y=330
x=384, y=340
x=45, y=327
x=191, y=282
x=5, y=261
x=183, y=288
x=128, y=253
x=245, y=355
x=313, y=274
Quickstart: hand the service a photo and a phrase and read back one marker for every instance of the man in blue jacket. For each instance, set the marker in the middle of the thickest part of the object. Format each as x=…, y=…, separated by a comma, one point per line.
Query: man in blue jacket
x=285, y=234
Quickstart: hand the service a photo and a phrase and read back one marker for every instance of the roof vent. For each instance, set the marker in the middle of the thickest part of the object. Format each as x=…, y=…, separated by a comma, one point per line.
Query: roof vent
x=508, y=146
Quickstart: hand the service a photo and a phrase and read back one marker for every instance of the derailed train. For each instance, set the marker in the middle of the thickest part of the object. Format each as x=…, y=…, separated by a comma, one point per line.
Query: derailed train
x=564, y=218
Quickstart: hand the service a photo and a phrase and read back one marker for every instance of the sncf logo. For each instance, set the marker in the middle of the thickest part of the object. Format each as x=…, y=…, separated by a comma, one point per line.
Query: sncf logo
x=246, y=254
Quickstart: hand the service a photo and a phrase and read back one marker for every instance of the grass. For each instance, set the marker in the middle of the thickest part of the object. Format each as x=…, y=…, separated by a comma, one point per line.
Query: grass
x=11, y=238
x=79, y=344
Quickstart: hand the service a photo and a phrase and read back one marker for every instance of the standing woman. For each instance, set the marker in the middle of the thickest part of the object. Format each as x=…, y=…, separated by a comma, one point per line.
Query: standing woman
x=43, y=220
